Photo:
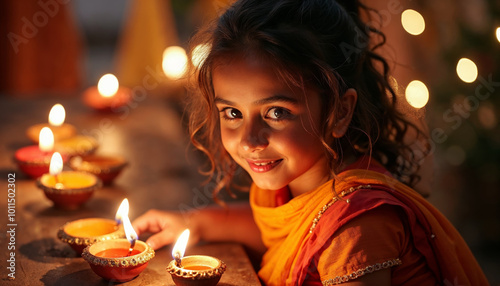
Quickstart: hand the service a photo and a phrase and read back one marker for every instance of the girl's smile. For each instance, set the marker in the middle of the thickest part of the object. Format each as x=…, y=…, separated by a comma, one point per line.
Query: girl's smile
x=268, y=128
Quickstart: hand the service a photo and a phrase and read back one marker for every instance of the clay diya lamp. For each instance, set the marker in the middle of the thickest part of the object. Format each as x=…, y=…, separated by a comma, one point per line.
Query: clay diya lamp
x=107, y=168
x=61, y=130
x=119, y=260
x=108, y=95
x=34, y=160
x=196, y=269
x=114, y=260
x=78, y=145
x=84, y=232
x=68, y=190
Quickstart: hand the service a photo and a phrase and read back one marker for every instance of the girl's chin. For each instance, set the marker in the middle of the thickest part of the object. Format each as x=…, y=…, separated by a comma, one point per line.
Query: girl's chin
x=267, y=186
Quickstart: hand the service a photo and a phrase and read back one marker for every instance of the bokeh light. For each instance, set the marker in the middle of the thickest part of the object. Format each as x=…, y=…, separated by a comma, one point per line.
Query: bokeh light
x=200, y=53
x=487, y=116
x=498, y=34
x=467, y=70
x=417, y=94
x=413, y=22
x=174, y=62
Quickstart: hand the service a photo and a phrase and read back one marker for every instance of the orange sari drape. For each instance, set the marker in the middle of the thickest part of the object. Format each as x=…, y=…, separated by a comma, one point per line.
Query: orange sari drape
x=292, y=248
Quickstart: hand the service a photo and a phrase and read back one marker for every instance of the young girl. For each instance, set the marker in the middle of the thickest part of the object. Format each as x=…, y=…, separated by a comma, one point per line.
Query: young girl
x=293, y=93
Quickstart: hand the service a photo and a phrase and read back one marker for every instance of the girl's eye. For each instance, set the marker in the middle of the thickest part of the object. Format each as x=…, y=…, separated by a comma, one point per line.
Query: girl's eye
x=278, y=113
x=231, y=113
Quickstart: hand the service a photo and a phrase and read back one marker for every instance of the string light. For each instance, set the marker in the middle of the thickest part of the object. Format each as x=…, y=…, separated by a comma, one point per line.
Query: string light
x=413, y=22
x=417, y=94
x=467, y=70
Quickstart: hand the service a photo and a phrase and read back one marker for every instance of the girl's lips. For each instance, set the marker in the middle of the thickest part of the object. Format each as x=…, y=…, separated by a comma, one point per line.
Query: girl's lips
x=262, y=166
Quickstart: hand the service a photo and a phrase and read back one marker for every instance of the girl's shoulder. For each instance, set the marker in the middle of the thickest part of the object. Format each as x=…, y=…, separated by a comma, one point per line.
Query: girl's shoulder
x=375, y=240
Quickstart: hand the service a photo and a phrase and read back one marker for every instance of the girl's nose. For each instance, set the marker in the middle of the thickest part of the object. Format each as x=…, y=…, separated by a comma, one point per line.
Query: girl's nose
x=255, y=135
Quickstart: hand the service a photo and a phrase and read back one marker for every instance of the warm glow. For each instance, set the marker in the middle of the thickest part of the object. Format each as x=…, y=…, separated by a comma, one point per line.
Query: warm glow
x=498, y=34
x=46, y=140
x=180, y=245
x=108, y=85
x=417, y=94
x=174, y=62
x=122, y=211
x=200, y=53
x=56, y=164
x=413, y=22
x=57, y=115
x=467, y=70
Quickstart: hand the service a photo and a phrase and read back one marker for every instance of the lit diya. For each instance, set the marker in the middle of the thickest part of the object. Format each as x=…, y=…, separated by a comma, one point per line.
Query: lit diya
x=196, y=269
x=61, y=130
x=67, y=189
x=84, y=232
x=108, y=94
x=107, y=168
x=119, y=260
x=34, y=160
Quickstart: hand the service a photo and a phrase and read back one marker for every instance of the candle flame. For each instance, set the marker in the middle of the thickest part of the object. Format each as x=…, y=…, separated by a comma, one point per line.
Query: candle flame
x=57, y=115
x=122, y=211
x=56, y=164
x=174, y=62
x=129, y=230
x=180, y=245
x=46, y=140
x=108, y=85
x=122, y=216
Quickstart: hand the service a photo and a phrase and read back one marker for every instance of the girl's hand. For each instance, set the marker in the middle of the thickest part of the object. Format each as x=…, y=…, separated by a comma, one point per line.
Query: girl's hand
x=165, y=226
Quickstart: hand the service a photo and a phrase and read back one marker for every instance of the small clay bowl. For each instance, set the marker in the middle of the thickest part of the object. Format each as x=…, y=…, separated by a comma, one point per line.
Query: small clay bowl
x=34, y=162
x=107, y=168
x=71, y=190
x=84, y=232
x=109, y=259
x=197, y=270
x=78, y=145
x=62, y=132
x=92, y=98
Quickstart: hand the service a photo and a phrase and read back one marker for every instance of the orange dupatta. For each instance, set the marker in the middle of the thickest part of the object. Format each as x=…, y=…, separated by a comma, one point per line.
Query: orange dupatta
x=276, y=223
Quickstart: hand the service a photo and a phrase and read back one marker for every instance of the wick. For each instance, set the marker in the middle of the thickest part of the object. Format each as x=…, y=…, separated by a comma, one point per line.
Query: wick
x=131, y=248
x=177, y=258
x=58, y=185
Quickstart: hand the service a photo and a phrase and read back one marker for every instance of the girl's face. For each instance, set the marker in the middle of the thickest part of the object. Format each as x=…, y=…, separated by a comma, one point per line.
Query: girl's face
x=267, y=130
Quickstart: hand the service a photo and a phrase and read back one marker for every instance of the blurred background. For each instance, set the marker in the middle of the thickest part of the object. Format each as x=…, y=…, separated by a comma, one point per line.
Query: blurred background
x=445, y=57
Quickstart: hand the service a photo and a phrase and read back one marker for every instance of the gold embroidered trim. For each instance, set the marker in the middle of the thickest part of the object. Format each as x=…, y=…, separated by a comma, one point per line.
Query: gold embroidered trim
x=361, y=272
x=332, y=201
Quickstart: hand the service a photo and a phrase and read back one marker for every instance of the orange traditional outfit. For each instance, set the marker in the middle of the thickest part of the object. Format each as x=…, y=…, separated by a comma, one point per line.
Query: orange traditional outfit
x=373, y=222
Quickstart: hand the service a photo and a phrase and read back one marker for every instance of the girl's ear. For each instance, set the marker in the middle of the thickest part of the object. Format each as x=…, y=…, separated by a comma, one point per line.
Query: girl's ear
x=347, y=105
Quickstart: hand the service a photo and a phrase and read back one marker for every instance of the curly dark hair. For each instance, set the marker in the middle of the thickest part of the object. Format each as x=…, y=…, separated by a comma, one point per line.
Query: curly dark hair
x=318, y=43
